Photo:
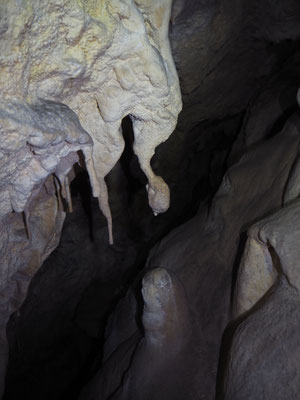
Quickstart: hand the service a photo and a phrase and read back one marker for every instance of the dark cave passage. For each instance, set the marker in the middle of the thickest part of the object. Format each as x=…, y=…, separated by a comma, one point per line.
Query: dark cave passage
x=56, y=340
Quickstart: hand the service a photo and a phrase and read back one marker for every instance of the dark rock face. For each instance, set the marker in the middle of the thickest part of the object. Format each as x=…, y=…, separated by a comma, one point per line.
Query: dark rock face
x=224, y=50
x=201, y=253
x=264, y=357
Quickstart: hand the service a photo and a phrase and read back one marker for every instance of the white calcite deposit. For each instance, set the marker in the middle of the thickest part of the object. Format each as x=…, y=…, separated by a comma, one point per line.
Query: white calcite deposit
x=70, y=71
x=104, y=60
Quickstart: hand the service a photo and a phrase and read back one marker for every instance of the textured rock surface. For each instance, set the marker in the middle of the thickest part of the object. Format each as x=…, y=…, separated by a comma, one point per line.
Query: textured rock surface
x=227, y=46
x=35, y=140
x=21, y=258
x=168, y=331
x=229, y=61
x=201, y=253
x=70, y=71
x=79, y=67
x=264, y=356
x=271, y=251
x=108, y=62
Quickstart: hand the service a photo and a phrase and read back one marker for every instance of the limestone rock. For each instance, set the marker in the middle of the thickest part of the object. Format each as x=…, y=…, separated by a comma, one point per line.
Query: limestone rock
x=201, y=254
x=264, y=356
x=70, y=71
x=110, y=60
x=34, y=141
x=263, y=361
x=168, y=331
x=272, y=250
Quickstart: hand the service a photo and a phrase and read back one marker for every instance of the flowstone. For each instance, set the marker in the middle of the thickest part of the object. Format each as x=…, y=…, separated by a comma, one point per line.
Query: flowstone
x=70, y=72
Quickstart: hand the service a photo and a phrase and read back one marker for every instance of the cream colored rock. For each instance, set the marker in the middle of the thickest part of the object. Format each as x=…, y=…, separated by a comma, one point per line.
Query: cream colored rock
x=256, y=275
x=34, y=140
x=70, y=71
x=105, y=60
x=272, y=250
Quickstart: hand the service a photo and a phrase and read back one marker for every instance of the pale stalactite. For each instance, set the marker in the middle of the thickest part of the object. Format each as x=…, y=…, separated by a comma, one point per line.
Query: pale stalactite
x=112, y=59
x=68, y=194
x=87, y=151
x=99, y=189
x=58, y=194
x=104, y=207
x=70, y=72
x=35, y=141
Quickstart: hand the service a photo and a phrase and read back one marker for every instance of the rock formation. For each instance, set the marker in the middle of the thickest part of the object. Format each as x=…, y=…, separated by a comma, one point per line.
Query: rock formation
x=268, y=298
x=201, y=253
x=168, y=331
x=70, y=72
x=200, y=302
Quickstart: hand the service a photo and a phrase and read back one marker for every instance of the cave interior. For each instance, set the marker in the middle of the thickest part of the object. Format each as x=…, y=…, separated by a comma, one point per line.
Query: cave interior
x=149, y=192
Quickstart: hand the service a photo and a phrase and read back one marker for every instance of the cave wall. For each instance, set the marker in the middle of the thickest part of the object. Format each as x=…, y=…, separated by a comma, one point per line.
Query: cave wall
x=201, y=254
x=255, y=70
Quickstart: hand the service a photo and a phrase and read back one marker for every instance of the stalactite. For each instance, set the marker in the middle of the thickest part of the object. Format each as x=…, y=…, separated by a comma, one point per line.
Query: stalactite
x=99, y=189
x=68, y=194
x=58, y=194
x=104, y=207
